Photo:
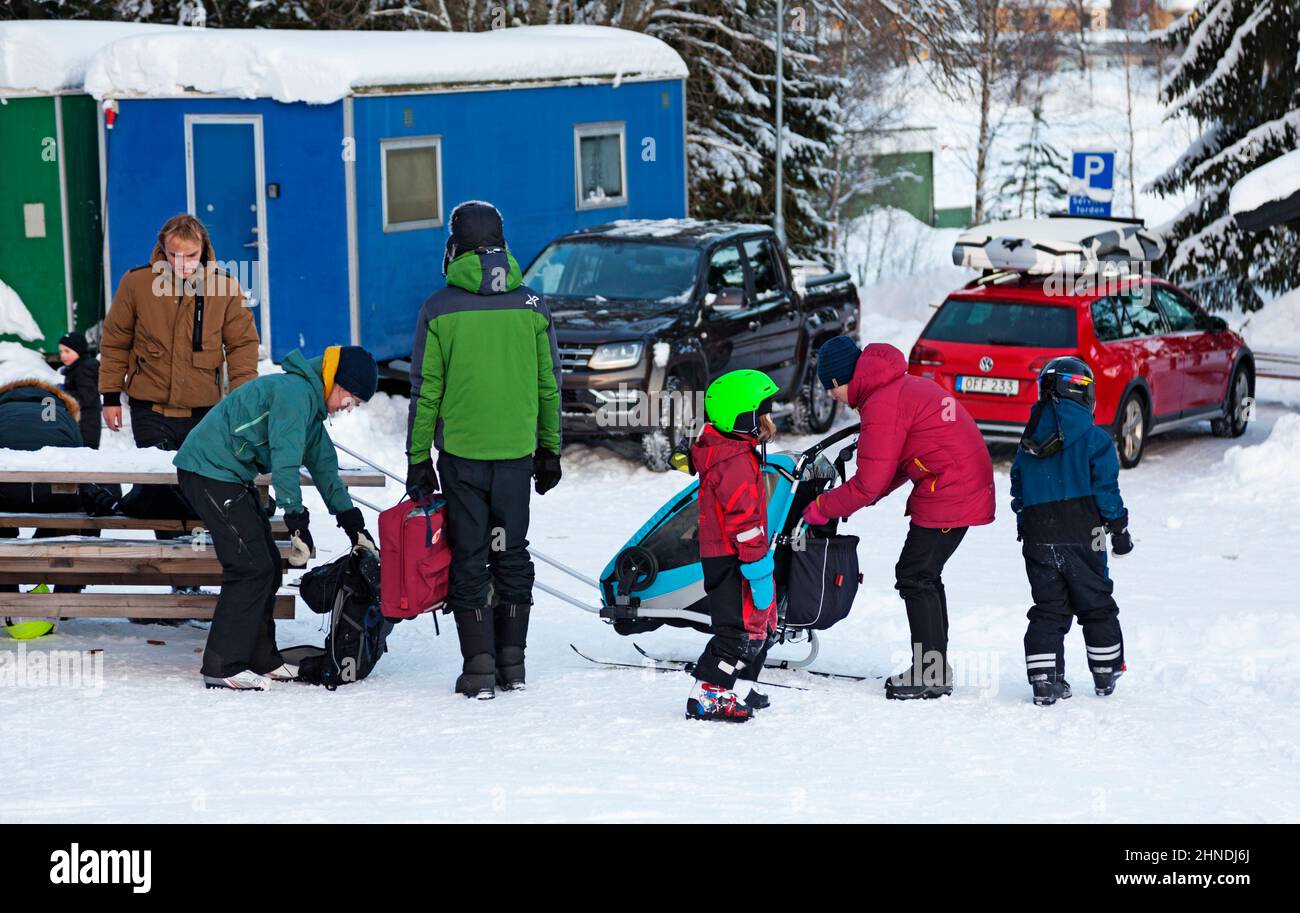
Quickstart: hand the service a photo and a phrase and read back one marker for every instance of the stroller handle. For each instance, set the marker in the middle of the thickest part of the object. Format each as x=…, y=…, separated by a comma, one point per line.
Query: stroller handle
x=811, y=453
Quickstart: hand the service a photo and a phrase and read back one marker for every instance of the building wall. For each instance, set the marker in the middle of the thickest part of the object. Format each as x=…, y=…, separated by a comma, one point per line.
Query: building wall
x=29, y=174
x=306, y=224
x=515, y=148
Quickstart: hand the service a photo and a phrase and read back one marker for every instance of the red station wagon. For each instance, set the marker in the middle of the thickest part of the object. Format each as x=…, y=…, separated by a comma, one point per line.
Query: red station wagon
x=1160, y=360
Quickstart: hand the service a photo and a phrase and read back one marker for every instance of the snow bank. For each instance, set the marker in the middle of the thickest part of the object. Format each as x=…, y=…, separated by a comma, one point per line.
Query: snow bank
x=17, y=362
x=1265, y=472
x=323, y=66
x=53, y=56
x=1268, y=183
x=15, y=319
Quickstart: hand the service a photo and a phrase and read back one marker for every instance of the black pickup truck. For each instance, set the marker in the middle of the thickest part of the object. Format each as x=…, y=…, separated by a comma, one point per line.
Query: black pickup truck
x=647, y=313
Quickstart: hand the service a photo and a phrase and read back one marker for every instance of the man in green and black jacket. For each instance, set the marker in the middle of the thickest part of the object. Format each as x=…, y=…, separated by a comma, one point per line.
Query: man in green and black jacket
x=485, y=390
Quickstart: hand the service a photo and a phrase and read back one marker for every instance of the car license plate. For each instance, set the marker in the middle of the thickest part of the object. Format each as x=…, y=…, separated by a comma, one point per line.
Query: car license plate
x=1001, y=386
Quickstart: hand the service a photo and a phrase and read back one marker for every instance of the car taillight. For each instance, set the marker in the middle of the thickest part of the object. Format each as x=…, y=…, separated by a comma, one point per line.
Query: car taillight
x=925, y=355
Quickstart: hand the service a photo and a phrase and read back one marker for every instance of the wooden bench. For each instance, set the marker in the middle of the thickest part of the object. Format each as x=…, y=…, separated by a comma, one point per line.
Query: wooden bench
x=88, y=561
x=116, y=521
x=120, y=605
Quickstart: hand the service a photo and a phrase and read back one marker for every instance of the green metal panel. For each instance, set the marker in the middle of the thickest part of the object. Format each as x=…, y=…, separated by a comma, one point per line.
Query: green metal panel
x=908, y=184
x=29, y=195
x=85, y=226
x=953, y=217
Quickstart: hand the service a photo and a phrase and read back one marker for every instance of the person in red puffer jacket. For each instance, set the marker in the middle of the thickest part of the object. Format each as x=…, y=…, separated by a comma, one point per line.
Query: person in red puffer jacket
x=734, y=544
x=912, y=431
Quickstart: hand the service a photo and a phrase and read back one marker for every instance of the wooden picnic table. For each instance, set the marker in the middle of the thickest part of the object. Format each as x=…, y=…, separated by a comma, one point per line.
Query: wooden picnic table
x=65, y=481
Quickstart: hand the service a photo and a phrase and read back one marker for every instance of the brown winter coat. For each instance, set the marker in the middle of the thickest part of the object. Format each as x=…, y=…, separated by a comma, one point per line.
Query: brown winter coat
x=147, y=348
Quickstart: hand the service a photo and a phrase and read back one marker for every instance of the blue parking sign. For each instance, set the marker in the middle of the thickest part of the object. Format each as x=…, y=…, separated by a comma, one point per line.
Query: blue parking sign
x=1092, y=182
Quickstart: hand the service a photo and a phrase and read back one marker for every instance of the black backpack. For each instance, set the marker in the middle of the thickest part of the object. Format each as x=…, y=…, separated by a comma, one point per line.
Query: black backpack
x=347, y=590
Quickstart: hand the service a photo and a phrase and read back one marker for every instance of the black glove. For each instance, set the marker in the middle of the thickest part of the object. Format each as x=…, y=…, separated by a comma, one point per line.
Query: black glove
x=422, y=480
x=98, y=500
x=355, y=526
x=1121, y=543
x=546, y=470
x=299, y=538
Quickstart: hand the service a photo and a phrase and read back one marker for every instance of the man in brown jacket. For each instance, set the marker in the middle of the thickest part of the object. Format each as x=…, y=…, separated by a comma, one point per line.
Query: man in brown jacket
x=174, y=323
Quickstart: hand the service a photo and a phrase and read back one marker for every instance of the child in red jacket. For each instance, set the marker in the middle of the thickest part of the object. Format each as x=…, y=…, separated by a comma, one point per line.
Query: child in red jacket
x=734, y=544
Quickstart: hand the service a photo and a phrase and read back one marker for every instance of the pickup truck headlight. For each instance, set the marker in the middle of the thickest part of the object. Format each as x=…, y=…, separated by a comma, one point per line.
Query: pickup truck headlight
x=616, y=355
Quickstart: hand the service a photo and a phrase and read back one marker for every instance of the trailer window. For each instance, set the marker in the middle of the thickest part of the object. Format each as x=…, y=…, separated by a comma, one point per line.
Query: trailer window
x=411, y=173
x=600, y=167
x=1004, y=323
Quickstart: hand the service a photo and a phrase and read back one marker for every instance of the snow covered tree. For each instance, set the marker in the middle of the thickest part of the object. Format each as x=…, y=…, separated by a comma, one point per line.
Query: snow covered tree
x=730, y=48
x=1035, y=181
x=1239, y=79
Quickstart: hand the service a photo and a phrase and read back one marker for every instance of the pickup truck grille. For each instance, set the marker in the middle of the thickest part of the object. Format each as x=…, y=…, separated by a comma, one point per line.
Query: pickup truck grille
x=575, y=356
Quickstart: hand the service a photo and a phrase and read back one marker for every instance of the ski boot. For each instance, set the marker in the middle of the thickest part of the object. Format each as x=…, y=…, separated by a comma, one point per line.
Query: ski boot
x=1103, y=679
x=285, y=672
x=711, y=702
x=1049, y=688
x=911, y=685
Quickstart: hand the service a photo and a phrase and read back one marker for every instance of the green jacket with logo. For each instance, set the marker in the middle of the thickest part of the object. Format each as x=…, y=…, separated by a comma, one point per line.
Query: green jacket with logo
x=485, y=370
x=273, y=424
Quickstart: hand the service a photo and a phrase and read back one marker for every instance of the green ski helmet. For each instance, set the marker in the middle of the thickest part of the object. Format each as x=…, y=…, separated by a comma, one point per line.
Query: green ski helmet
x=735, y=400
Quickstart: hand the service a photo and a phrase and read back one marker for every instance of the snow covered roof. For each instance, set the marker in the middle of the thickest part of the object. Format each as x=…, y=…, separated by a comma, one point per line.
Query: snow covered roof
x=1041, y=246
x=52, y=56
x=323, y=66
x=1268, y=195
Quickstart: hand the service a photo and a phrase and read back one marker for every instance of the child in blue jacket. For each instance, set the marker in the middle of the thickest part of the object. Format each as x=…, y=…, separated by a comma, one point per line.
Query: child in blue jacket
x=1065, y=493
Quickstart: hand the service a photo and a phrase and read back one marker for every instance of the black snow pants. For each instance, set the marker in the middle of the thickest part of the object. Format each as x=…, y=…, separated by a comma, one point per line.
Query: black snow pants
x=152, y=429
x=730, y=653
x=242, y=635
x=919, y=580
x=487, y=527
x=1070, y=580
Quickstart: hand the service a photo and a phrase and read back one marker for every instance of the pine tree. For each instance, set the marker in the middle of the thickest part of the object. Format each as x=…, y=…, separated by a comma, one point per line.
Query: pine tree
x=1035, y=180
x=1239, y=79
x=730, y=48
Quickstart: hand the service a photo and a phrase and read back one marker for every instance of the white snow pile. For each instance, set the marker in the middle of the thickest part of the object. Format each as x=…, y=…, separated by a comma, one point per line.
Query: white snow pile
x=1263, y=472
x=323, y=66
x=17, y=362
x=1275, y=180
x=53, y=56
x=15, y=319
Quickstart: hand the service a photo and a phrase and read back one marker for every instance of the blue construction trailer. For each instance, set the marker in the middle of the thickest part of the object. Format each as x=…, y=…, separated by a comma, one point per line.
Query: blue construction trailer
x=326, y=164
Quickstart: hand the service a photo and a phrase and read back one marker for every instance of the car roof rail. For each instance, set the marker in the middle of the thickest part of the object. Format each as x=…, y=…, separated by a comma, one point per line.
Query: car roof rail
x=994, y=277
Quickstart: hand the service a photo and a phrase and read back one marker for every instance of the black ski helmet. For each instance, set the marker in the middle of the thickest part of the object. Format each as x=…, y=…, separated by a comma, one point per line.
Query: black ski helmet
x=1068, y=377
x=475, y=225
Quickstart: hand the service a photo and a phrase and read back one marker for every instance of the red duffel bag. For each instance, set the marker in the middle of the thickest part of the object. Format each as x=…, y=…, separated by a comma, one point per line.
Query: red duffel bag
x=414, y=558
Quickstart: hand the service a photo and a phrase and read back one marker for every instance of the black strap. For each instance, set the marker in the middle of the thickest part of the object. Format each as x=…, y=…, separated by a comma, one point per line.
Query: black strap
x=197, y=341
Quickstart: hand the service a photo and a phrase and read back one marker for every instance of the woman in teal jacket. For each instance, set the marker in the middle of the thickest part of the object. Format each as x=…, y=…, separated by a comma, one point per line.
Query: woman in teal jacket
x=273, y=424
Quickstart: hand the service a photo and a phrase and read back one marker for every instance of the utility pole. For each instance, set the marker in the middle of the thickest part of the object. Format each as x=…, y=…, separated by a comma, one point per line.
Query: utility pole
x=779, y=220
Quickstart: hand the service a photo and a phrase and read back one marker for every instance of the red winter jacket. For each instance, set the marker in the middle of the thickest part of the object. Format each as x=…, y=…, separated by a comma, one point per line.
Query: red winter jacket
x=733, y=498
x=912, y=429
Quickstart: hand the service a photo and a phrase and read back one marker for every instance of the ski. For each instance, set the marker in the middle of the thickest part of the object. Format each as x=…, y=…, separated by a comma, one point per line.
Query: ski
x=666, y=665
x=781, y=666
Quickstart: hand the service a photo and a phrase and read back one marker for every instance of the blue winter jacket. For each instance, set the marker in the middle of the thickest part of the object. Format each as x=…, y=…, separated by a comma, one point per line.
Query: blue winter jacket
x=1069, y=496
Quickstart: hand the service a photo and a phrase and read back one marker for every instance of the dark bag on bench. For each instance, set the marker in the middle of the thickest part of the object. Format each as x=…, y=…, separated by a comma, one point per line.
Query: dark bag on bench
x=347, y=590
x=823, y=580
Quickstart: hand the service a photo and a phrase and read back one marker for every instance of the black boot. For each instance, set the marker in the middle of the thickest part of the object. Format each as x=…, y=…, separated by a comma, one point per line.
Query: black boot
x=1104, y=681
x=477, y=647
x=1049, y=688
x=910, y=685
x=511, y=637
x=757, y=700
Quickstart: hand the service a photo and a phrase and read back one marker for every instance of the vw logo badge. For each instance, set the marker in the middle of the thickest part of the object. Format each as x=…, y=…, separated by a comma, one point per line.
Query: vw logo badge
x=986, y=364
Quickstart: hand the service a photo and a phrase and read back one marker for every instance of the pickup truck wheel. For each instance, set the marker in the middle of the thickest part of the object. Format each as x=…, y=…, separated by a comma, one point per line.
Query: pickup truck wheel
x=677, y=420
x=814, y=410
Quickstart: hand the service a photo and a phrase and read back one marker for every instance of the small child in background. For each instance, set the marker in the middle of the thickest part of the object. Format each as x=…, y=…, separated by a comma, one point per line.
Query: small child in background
x=81, y=381
x=1065, y=492
x=734, y=544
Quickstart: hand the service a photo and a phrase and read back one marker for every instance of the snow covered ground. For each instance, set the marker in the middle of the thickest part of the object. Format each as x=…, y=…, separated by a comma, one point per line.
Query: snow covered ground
x=1201, y=728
